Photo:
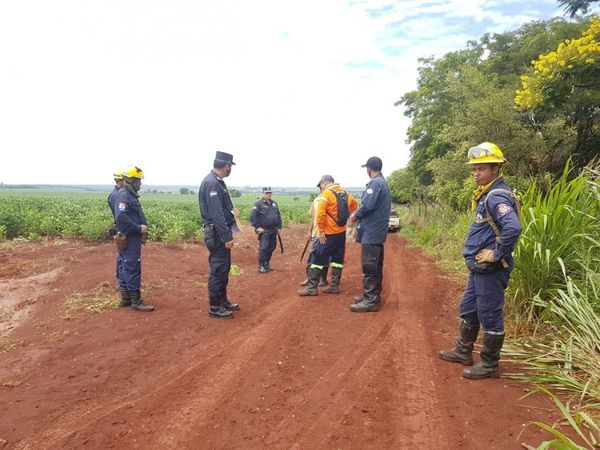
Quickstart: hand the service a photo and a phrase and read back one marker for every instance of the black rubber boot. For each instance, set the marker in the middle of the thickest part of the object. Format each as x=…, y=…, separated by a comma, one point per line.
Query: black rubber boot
x=371, y=297
x=487, y=367
x=463, y=351
x=219, y=312
x=137, y=302
x=314, y=274
x=323, y=281
x=125, y=298
x=334, y=286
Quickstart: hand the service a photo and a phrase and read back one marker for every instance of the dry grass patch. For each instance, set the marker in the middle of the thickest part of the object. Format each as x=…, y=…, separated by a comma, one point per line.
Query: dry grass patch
x=100, y=299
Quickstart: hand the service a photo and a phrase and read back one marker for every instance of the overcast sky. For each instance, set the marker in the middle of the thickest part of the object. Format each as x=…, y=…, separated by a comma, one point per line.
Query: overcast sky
x=293, y=89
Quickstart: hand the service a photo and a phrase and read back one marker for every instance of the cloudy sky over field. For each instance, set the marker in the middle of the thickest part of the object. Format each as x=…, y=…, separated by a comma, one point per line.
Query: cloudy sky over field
x=293, y=89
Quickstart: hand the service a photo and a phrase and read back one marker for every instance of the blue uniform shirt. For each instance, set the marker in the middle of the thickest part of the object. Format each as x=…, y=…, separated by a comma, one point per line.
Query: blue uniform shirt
x=374, y=212
x=265, y=214
x=480, y=235
x=128, y=212
x=111, y=201
x=216, y=207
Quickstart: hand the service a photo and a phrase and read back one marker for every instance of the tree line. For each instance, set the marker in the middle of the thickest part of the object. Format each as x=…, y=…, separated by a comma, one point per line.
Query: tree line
x=534, y=91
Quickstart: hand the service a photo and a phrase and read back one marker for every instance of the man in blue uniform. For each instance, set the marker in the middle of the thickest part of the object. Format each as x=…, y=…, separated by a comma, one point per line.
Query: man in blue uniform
x=372, y=217
x=489, y=244
x=132, y=227
x=219, y=217
x=112, y=230
x=118, y=176
x=266, y=220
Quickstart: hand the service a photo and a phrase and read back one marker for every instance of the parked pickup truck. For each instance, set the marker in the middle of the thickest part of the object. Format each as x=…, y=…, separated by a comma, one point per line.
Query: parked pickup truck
x=394, y=223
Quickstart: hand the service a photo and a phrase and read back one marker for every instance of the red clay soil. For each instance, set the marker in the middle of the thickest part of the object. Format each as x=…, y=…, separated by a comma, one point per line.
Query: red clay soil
x=287, y=372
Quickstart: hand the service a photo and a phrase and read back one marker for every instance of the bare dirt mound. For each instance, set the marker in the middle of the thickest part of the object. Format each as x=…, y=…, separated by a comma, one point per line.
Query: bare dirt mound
x=287, y=372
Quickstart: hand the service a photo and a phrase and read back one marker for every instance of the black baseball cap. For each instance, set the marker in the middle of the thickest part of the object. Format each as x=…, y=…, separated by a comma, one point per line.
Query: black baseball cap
x=327, y=178
x=374, y=163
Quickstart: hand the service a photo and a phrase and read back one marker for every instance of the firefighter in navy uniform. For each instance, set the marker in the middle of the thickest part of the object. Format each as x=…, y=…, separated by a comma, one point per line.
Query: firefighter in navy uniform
x=118, y=176
x=132, y=227
x=488, y=248
x=112, y=230
x=218, y=212
x=372, y=217
x=266, y=220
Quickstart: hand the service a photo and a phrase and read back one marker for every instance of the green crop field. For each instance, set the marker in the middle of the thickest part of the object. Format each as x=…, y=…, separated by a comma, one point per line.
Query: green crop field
x=174, y=217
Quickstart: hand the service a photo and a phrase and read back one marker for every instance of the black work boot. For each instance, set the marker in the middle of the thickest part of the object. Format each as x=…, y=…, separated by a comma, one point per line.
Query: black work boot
x=487, y=367
x=323, y=281
x=137, y=302
x=314, y=274
x=463, y=351
x=219, y=312
x=230, y=306
x=125, y=298
x=334, y=286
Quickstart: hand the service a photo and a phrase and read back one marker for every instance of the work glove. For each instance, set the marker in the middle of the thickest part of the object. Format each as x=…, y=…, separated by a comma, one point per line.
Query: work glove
x=485, y=256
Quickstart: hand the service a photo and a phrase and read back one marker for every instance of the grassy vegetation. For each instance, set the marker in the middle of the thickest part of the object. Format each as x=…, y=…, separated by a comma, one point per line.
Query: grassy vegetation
x=172, y=217
x=102, y=298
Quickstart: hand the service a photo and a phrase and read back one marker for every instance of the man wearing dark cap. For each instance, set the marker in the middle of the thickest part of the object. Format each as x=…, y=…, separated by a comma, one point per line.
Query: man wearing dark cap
x=219, y=217
x=333, y=209
x=266, y=220
x=372, y=217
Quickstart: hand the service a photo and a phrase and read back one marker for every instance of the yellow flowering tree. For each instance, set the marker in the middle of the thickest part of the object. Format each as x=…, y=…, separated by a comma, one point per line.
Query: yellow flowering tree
x=573, y=68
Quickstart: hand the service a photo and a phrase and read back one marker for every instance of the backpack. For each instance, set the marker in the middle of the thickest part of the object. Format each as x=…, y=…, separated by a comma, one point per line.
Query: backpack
x=341, y=198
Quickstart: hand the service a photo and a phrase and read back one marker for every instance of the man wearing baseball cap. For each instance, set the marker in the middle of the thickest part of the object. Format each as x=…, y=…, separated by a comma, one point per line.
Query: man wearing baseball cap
x=372, y=218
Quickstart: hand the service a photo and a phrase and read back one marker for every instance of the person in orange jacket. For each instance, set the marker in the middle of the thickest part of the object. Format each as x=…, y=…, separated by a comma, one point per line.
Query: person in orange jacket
x=333, y=209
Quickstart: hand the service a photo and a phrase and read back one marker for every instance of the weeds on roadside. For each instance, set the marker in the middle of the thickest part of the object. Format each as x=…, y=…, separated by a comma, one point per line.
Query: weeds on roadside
x=586, y=427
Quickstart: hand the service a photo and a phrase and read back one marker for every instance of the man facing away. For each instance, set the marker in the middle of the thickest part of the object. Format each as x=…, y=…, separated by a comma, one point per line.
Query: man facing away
x=266, y=220
x=333, y=208
x=219, y=214
x=372, y=217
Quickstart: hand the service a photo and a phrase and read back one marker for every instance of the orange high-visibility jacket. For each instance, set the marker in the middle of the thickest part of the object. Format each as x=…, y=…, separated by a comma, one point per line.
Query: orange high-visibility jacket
x=327, y=210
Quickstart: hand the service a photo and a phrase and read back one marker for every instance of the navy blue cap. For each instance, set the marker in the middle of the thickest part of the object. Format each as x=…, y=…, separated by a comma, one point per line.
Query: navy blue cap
x=223, y=157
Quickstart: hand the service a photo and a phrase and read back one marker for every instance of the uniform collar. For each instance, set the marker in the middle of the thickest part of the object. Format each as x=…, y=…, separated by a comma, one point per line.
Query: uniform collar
x=216, y=175
x=130, y=189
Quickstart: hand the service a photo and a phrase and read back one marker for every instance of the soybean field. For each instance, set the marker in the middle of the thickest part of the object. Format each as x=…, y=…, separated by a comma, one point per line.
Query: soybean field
x=173, y=217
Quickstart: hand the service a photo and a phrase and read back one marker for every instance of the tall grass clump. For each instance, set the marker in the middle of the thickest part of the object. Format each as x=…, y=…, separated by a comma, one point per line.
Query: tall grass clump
x=560, y=224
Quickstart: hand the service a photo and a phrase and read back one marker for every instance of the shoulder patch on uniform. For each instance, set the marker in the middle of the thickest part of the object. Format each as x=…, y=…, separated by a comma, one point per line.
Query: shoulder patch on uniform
x=122, y=206
x=502, y=209
x=213, y=193
x=369, y=191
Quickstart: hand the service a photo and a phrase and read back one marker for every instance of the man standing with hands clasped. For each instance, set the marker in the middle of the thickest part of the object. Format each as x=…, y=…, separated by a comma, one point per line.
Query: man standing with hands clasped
x=372, y=217
x=266, y=220
x=219, y=217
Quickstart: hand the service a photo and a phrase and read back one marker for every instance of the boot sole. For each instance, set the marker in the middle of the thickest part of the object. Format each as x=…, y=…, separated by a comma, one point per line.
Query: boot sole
x=481, y=377
x=214, y=316
x=461, y=361
x=365, y=310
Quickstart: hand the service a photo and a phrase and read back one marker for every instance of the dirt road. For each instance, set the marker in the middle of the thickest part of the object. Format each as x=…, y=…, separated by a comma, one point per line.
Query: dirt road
x=287, y=372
